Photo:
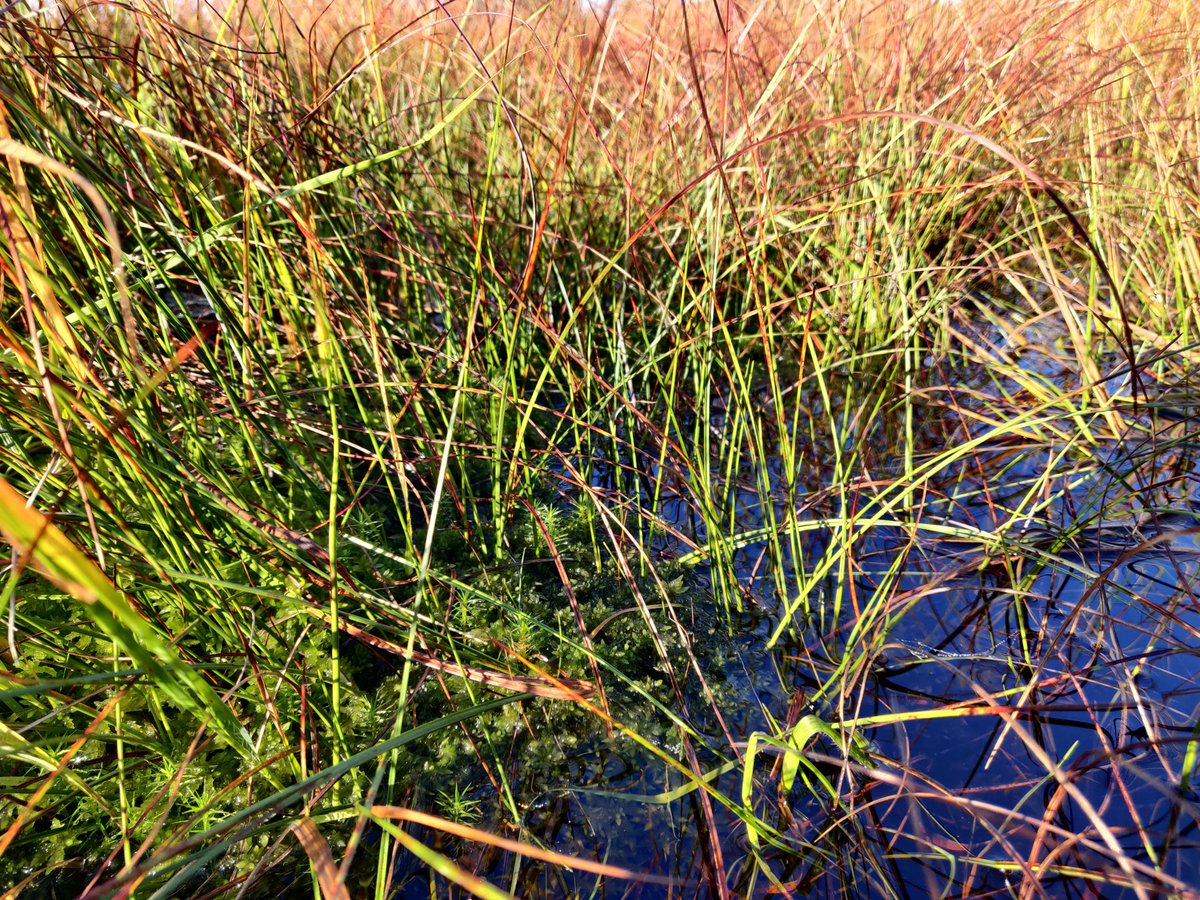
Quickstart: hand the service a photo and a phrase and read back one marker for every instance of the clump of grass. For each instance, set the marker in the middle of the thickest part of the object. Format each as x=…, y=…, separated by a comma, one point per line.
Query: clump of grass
x=429, y=424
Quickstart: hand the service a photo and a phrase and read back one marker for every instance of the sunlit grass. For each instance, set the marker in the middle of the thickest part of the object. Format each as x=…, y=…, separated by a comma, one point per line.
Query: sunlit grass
x=408, y=407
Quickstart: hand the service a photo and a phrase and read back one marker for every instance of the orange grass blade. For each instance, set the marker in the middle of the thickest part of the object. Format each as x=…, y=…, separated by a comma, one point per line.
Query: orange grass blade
x=571, y=688
x=326, y=869
x=401, y=814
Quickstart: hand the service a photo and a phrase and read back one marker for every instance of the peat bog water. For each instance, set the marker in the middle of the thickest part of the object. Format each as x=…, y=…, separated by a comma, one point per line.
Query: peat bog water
x=1098, y=609
x=923, y=636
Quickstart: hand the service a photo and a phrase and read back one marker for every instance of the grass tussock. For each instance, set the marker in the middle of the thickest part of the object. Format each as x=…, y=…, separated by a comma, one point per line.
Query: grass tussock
x=437, y=435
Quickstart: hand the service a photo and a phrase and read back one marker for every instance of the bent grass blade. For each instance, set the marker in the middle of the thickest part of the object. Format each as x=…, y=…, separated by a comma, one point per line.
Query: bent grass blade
x=38, y=539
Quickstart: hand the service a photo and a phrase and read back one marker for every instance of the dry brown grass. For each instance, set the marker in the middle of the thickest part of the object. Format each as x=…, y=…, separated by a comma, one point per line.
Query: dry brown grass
x=1035, y=54
x=640, y=101
x=639, y=90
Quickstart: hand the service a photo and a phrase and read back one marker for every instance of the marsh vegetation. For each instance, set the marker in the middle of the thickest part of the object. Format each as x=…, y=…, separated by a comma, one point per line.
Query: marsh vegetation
x=670, y=450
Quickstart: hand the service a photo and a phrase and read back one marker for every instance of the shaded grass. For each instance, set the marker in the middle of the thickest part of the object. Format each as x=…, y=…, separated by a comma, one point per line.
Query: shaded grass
x=455, y=352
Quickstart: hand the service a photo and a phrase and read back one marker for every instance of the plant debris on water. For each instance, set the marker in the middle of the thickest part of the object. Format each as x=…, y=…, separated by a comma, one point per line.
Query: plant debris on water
x=556, y=449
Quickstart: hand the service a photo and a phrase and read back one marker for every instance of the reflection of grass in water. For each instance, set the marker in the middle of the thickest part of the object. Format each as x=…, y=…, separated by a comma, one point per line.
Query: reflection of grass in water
x=508, y=413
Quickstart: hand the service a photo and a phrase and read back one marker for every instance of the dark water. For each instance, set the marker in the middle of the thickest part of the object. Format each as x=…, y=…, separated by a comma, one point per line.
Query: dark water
x=1077, y=651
